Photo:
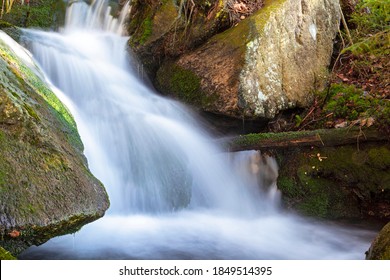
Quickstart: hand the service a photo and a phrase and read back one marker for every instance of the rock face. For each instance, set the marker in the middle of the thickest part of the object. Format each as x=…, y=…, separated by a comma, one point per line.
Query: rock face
x=268, y=62
x=46, y=188
x=163, y=29
x=337, y=182
x=380, y=247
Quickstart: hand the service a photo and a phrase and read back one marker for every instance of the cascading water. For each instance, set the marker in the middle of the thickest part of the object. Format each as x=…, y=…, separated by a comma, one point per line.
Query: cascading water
x=173, y=194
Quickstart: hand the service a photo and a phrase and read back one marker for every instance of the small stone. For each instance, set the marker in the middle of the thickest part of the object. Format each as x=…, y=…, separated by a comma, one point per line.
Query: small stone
x=341, y=125
x=370, y=121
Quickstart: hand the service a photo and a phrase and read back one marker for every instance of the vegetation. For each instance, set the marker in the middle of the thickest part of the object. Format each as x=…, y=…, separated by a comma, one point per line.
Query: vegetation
x=5, y=255
x=27, y=76
x=358, y=91
x=35, y=13
x=6, y=6
x=337, y=182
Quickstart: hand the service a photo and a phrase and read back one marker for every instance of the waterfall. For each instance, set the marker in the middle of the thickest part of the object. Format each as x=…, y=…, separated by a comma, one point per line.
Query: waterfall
x=173, y=193
x=145, y=149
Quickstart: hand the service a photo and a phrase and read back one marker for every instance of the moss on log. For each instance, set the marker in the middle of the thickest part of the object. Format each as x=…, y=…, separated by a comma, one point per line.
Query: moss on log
x=334, y=174
x=318, y=138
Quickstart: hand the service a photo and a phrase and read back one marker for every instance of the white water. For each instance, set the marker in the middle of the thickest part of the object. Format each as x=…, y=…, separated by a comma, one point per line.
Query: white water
x=173, y=194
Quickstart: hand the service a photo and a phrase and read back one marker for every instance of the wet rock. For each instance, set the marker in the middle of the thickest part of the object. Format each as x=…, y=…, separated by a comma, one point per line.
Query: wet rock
x=46, y=188
x=380, y=247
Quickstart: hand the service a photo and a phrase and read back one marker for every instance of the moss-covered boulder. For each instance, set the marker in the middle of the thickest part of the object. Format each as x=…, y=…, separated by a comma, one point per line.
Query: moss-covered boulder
x=380, y=247
x=351, y=181
x=46, y=188
x=161, y=29
x=268, y=62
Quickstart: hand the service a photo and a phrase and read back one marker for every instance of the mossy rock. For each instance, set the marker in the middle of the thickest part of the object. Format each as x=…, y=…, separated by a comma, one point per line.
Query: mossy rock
x=46, y=188
x=380, y=247
x=257, y=68
x=46, y=14
x=5, y=255
x=184, y=85
x=165, y=29
x=337, y=182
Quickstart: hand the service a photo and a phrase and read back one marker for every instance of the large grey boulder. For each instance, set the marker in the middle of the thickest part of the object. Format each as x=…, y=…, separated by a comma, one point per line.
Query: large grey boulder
x=271, y=61
x=46, y=188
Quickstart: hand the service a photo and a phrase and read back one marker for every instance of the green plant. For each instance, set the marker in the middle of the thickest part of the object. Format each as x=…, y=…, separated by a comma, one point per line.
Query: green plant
x=6, y=6
x=372, y=16
x=298, y=120
x=347, y=102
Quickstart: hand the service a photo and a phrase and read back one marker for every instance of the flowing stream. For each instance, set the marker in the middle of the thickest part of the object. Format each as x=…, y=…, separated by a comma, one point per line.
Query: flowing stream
x=173, y=194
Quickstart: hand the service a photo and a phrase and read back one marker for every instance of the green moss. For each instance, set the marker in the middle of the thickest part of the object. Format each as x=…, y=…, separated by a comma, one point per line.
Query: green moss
x=262, y=16
x=357, y=168
x=31, y=112
x=185, y=84
x=316, y=205
x=2, y=178
x=289, y=187
x=164, y=20
x=26, y=75
x=255, y=138
x=39, y=13
x=5, y=255
x=142, y=26
x=379, y=157
x=44, y=180
x=147, y=30
x=3, y=166
x=372, y=16
x=5, y=24
x=236, y=37
x=327, y=180
x=348, y=102
x=380, y=248
x=221, y=11
x=55, y=161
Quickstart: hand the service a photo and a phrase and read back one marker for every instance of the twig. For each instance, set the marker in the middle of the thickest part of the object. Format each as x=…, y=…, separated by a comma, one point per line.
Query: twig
x=308, y=114
x=319, y=136
x=339, y=55
x=315, y=120
x=345, y=25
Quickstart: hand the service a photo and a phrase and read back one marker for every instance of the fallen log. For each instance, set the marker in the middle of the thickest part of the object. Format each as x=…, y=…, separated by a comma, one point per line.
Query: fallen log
x=317, y=138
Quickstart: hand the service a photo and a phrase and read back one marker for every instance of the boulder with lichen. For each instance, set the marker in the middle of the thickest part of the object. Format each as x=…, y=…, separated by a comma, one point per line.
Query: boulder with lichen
x=46, y=188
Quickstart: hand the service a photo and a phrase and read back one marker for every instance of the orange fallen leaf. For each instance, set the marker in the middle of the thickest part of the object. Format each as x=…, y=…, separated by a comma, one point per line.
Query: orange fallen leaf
x=14, y=233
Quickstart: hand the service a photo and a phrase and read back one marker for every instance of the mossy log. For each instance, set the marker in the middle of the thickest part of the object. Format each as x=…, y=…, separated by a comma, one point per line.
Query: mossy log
x=333, y=174
x=317, y=138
